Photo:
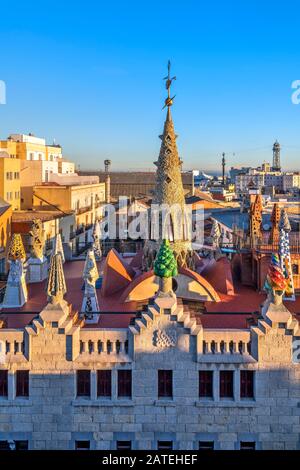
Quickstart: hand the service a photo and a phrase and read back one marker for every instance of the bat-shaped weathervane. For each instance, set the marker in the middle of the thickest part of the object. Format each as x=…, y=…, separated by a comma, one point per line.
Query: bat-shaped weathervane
x=169, y=80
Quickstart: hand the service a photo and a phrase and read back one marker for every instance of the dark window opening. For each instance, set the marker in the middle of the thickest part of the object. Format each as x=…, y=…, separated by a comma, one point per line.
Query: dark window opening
x=164, y=445
x=104, y=383
x=247, y=445
x=21, y=445
x=165, y=385
x=22, y=383
x=247, y=382
x=226, y=384
x=124, y=383
x=82, y=445
x=13, y=445
x=83, y=383
x=206, y=445
x=4, y=445
x=206, y=383
x=123, y=445
x=295, y=269
x=3, y=383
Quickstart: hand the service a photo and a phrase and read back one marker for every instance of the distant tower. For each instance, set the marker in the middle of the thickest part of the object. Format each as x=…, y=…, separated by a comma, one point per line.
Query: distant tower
x=107, y=164
x=223, y=168
x=276, y=156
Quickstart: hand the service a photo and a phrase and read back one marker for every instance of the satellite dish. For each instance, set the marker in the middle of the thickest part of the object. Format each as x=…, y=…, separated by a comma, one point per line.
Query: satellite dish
x=266, y=227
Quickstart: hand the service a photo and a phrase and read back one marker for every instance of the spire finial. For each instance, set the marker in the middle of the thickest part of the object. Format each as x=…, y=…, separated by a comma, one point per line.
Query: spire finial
x=169, y=100
x=16, y=248
x=56, y=286
x=284, y=223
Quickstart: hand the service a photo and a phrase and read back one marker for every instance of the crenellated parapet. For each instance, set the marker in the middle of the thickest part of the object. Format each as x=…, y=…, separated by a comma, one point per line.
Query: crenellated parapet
x=59, y=338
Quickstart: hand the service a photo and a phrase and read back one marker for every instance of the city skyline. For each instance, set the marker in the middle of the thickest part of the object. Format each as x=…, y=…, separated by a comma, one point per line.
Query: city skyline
x=101, y=81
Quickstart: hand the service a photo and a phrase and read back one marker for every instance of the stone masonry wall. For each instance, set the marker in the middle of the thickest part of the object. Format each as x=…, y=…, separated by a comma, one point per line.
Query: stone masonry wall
x=53, y=418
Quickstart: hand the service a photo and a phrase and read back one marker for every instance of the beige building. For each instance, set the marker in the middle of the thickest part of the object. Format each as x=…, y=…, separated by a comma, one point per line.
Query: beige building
x=5, y=233
x=29, y=147
x=84, y=200
x=36, y=172
x=10, y=179
x=291, y=181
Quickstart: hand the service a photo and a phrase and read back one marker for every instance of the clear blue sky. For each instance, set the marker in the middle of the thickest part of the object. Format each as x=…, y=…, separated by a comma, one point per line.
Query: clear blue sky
x=89, y=74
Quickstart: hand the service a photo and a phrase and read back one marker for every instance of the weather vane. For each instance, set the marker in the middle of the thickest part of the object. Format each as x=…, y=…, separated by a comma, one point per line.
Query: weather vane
x=169, y=100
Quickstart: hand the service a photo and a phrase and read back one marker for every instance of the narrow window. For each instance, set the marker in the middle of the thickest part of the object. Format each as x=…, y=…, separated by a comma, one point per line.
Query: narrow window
x=82, y=445
x=164, y=445
x=295, y=269
x=104, y=383
x=124, y=383
x=247, y=388
x=165, y=386
x=83, y=383
x=206, y=383
x=247, y=445
x=123, y=445
x=4, y=445
x=22, y=383
x=3, y=383
x=21, y=445
x=206, y=445
x=226, y=384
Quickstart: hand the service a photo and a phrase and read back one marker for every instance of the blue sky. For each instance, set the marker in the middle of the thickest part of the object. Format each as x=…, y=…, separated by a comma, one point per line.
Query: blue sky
x=89, y=74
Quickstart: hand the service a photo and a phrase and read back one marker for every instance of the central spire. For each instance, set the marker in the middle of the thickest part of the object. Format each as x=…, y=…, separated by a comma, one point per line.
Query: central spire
x=169, y=193
x=169, y=188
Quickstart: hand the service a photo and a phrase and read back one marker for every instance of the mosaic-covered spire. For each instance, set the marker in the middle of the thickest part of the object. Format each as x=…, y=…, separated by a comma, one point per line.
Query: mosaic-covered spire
x=284, y=223
x=169, y=187
x=58, y=247
x=256, y=218
x=16, y=249
x=90, y=271
x=56, y=285
x=275, y=219
x=37, y=239
x=169, y=193
x=165, y=266
x=285, y=255
x=97, y=239
x=215, y=233
x=90, y=305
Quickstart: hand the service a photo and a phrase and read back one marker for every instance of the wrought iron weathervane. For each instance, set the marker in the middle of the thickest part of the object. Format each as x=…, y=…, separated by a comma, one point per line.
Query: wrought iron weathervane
x=169, y=80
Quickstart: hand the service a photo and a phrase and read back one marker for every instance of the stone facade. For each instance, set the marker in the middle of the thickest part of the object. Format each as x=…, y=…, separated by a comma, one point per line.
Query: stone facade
x=55, y=346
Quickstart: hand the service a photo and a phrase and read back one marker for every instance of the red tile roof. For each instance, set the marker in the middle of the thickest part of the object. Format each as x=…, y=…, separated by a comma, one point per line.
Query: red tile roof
x=220, y=276
x=117, y=274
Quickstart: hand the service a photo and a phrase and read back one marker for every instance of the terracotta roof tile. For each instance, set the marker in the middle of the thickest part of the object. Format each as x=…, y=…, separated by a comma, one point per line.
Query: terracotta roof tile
x=117, y=274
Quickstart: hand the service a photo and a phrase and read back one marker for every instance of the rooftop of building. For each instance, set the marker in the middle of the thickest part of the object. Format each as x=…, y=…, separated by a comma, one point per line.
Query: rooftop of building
x=136, y=183
x=44, y=216
x=235, y=310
